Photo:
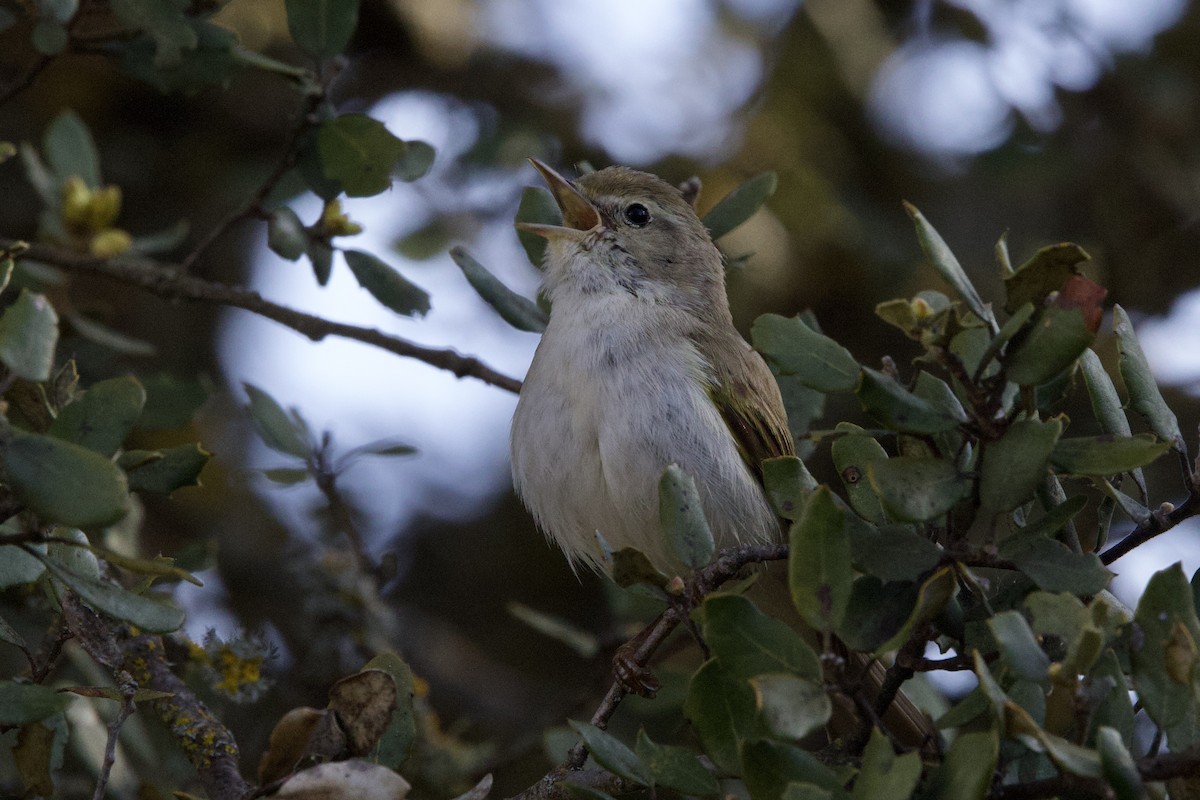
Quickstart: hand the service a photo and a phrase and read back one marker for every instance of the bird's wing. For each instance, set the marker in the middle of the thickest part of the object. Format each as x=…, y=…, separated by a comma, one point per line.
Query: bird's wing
x=749, y=401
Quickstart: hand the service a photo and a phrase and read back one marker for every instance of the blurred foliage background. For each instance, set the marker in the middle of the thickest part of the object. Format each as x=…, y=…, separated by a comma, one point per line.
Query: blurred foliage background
x=1055, y=120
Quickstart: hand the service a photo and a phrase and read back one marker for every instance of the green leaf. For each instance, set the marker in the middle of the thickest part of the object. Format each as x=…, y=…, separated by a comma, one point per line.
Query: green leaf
x=71, y=548
x=70, y=151
x=520, y=312
x=1055, y=518
x=884, y=774
x=943, y=260
x=768, y=767
x=1011, y=328
x=175, y=468
x=722, y=710
x=788, y=483
x=1115, y=709
x=932, y=596
x=802, y=790
x=1118, y=767
x=631, y=567
x=165, y=22
x=1046, y=272
x=9, y=634
x=63, y=482
x=967, y=772
x=360, y=153
x=804, y=406
x=794, y=348
x=1058, y=614
x=876, y=612
x=537, y=206
x=1054, y=567
x=105, y=336
x=286, y=235
x=1106, y=404
x=18, y=567
x=1165, y=654
x=322, y=28
x=208, y=63
x=1019, y=646
x=163, y=240
x=747, y=642
x=899, y=409
x=675, y=768
x=1058, y=337
x=22, y=703
x=279, y=430
x=916, y=489
x=287, y=476
x=1015, y=465
x=1144, y=396
x=612, y=754
x=28, y=336
x=1132, y=508
x=396, y=743
x=791, y=707
x=892, y=552
x=418, y=158
x=819, y=572
x=582, y=643
x=320, y=255
x=851, y=456
x=147, y=612
x=386, y=285
x=681, y=517
x=1107, y=454
x=171, y=402
x=740, y=204
x=103, y=417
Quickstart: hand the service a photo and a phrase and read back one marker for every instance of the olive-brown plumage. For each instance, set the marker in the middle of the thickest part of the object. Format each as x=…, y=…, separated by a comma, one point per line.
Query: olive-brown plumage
x=640, y=367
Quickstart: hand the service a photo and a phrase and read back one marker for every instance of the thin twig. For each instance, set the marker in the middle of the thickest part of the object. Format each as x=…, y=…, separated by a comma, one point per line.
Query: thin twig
x=128, y=687
x=727, y=565
x=26, y=78
x=254, y=203
x=1158, y=523
x=165, y=280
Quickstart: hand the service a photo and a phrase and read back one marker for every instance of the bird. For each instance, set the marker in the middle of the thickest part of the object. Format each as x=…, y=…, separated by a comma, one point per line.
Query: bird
x=640, y=367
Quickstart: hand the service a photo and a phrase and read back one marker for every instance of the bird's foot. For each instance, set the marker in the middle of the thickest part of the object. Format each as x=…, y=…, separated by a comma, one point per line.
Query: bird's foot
x=632, y=675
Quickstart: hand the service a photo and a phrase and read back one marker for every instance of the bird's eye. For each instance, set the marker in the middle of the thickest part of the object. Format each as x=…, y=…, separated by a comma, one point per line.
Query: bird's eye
x=637, y=215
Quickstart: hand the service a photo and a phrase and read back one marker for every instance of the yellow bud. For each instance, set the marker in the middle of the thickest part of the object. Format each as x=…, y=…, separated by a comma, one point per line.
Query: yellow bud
x=76, y=201
x=334, y=221
x=109, y=243
x=920, y=308
x=105, y=207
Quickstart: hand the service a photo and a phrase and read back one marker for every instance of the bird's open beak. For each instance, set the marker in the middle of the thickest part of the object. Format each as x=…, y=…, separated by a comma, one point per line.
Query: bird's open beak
x=579, y=215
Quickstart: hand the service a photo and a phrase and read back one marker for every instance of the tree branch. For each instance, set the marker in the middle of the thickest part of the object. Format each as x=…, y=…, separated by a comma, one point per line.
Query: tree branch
x=204, y=739
x=728, y=564
x=128, y=687
x=1158, y=523
x=167, y=281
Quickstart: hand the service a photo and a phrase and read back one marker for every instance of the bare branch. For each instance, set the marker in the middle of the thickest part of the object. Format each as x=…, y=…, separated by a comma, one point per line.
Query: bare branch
x=128, y=687
x=204, y=739
x=167, y=281
x=1159, y=522
x=728, y=564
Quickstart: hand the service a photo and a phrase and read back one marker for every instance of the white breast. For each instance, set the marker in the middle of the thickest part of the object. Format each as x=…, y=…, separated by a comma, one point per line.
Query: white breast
x=603, y=411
